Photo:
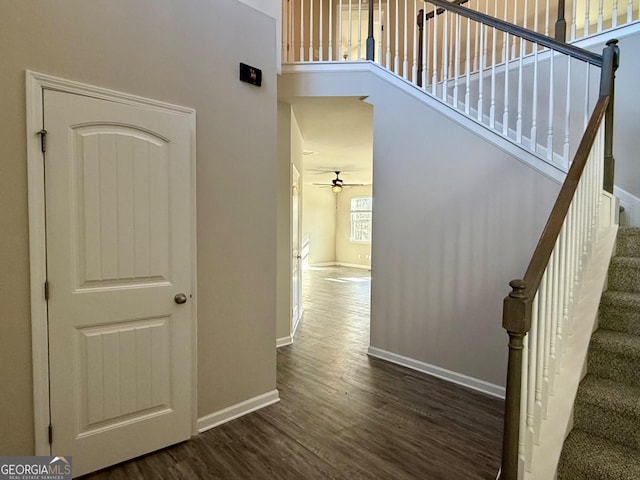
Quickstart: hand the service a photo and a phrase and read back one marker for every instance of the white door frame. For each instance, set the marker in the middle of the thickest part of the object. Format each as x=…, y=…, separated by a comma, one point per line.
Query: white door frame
x=36, y=83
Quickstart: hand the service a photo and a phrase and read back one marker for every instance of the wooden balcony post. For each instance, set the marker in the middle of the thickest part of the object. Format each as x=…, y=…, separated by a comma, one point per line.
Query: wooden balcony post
x=371, y=41
x=610, y=63
x=561, y=23
x=420, y=21
x=516, y=321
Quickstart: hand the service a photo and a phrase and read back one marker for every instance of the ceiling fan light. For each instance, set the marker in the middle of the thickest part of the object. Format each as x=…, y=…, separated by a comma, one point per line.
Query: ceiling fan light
x=336, y=188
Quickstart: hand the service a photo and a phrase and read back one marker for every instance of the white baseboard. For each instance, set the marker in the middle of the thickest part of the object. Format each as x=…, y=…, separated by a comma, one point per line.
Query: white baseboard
x=295, y=325
x=340, y=264
x=238, y=410
x=284, y=341
x=442, y=373
x=353, y=265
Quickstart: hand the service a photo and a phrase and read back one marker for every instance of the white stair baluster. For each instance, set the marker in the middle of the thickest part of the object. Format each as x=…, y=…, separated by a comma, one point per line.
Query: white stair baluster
x=485, y=32
x=387, y=26
x=321, y=31
x=330, y=52
x=505, y=113
x=531, y=378
x=515, y=22
x=630, y=11
x=567, y=117
x=551, y=104
x=425, y=50
x=340, y=51
x=547, y=13
x=492, y=107
x=445, y=54
x=476, y=43
x=542, y=358
x=434, y=78
x=553, y=357
x=380, y=32
x=524, y=24
x=467, y=69
x=359, y=30
x=614, y=14
x=574, y=16
x=302, y=30
x=586, y=95
x=600, y=15
x=520, y=86
x=505, y=40
x=452, y=46
x=456, y=63
x=547, y=339
x=524, y=395
x=405, y=52
x=534, y=103
x=481, y=74
x=349, y=31
x=396, y=60
x=586, y=18
x=311, y=53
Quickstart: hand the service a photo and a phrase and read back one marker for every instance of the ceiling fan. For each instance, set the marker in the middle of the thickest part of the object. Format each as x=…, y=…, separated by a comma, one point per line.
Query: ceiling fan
x=337, y=184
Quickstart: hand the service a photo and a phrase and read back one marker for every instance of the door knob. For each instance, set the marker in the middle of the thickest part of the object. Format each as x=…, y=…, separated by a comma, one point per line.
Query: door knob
x=180, y=298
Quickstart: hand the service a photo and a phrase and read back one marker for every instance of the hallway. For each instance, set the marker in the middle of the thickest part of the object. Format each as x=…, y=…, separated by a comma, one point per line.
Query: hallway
x=342, y=415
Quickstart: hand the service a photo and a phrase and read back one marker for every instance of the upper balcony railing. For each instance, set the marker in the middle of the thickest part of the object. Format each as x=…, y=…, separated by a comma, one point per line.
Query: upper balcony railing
x=537, y=92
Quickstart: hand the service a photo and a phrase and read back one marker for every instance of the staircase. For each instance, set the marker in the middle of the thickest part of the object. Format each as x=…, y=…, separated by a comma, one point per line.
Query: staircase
x=605, y=440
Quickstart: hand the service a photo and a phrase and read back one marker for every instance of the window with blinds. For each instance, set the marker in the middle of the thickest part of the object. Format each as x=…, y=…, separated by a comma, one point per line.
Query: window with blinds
x=361, y=219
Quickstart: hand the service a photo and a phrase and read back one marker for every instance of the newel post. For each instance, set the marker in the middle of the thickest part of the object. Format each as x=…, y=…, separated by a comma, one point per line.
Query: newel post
x=420, y=23
x=371, y=42
x=561, y=23
x=610, y=63
x=516, y=320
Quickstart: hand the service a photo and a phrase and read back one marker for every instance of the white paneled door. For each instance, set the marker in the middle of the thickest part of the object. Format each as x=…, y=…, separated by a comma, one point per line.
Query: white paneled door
x=119, y=268
x=296, y=262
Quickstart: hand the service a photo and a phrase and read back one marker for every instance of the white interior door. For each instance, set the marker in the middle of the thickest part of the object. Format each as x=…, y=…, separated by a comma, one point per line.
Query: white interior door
x=296, y=271
x=119, y=255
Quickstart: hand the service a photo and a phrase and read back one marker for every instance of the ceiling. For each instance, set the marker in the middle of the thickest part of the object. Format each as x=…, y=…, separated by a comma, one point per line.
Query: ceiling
x=338, y=135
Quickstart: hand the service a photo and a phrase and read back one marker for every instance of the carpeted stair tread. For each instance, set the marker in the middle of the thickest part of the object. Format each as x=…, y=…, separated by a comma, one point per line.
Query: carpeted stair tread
x=616, y=342
x=628, y=242
x=608, y=409
x=589, y=457
x=620, y=311
x=615, y=355
x=614, y=395
x=624, y=274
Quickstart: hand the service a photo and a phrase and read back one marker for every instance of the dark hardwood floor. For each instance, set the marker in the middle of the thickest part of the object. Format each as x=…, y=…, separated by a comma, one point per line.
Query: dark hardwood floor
x=342, y=415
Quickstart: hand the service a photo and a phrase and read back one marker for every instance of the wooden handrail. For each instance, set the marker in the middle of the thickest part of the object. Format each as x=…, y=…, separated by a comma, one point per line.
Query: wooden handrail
x=517, y=307
x=440, y=11
x=535, y=37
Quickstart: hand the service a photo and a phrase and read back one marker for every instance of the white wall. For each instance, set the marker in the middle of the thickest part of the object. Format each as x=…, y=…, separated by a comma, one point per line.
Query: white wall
x=177, y=52
x=348, y=252
x=283, y=256
x=319, y=223
x=455, y=218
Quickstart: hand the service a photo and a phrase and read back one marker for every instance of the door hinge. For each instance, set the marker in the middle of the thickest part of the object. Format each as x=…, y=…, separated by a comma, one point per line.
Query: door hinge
x=50, y=434
x=46, y=290
x=43, y=140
